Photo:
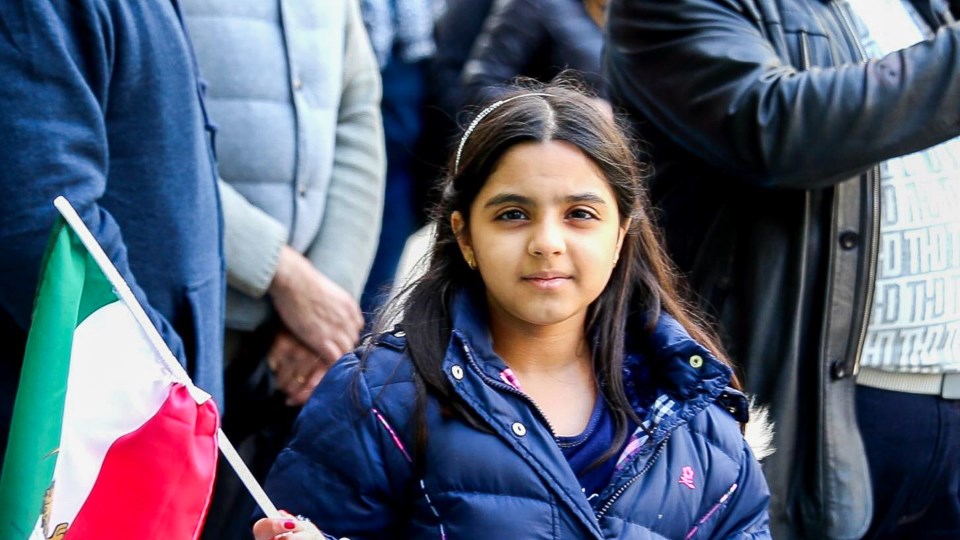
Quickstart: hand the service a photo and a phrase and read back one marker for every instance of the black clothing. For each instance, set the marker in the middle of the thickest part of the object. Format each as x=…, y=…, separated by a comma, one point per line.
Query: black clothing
x=536, y=39
x=765, y=174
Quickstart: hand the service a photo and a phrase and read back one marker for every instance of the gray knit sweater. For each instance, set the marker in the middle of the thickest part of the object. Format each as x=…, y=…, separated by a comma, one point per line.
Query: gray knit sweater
x=295, y=89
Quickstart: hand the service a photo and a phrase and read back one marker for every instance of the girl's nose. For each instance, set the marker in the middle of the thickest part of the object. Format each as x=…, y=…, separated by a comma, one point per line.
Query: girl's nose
x=547, y=239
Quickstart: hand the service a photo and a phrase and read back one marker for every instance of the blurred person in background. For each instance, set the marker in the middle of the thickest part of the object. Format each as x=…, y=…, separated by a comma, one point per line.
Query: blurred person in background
x=295, y=89
x=401, y=32
x=807, y=172
x=456, y=29
x=102, y=104
x=536, y=39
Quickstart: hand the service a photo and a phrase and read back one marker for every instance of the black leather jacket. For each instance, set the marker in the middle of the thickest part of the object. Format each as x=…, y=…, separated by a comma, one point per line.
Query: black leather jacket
x=765, y=126
x=533, y=38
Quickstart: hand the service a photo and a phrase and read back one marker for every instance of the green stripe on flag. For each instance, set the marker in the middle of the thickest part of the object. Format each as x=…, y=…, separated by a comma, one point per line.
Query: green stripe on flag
x=71, y=287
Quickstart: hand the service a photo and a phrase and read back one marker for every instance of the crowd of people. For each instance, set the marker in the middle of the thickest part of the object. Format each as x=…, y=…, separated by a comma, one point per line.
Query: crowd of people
x=656, y=224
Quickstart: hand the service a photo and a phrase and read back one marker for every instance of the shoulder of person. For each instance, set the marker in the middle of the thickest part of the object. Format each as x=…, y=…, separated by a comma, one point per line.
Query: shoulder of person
x=721, y=425
x=377, y=376
x=383, y=360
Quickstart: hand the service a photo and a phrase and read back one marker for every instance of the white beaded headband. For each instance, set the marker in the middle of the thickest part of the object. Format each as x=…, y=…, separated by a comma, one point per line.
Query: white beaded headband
x=481, y=116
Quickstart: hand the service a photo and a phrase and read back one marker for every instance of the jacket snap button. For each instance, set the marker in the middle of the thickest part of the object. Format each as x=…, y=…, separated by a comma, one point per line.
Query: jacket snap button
x=696, y=361
x=838, y=369
x=457, y=372
x=849, y=240
x=519, y=429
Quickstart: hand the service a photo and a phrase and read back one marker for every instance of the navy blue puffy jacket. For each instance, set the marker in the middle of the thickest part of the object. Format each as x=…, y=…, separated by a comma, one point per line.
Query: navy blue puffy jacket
x=349, y=465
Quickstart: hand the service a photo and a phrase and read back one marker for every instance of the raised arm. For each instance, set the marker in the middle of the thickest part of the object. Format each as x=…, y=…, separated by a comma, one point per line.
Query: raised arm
x=714, y=77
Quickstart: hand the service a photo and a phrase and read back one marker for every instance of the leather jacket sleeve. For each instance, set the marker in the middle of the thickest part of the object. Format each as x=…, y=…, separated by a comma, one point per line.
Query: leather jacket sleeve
x=510, y=38
x=715, y=77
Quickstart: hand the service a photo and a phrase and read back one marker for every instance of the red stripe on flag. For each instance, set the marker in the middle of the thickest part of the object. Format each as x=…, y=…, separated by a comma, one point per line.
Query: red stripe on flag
x=155, y=482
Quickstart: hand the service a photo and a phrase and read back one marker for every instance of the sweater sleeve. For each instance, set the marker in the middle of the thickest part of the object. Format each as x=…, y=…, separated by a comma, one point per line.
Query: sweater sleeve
x=56, y=63
x=336, y=469
x=251, y=242
x=347, y=241
x=714, y=76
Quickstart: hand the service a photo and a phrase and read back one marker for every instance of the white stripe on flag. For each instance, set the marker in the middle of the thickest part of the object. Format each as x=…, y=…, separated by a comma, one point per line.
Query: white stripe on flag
x=116, y=384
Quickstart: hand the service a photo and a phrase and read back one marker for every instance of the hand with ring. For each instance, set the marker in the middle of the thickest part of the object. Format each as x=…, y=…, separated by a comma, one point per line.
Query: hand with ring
x=287, y=527
x=298, y=369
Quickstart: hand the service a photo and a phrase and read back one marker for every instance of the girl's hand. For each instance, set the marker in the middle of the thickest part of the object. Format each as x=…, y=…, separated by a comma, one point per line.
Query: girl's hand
x=286, y=528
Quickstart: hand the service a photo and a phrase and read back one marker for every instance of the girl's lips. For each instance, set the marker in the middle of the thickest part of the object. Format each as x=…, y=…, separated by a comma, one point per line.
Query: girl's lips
x=547, y=283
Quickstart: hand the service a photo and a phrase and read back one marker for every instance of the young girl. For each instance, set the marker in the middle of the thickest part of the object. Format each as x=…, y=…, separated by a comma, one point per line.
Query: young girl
x=545, y=380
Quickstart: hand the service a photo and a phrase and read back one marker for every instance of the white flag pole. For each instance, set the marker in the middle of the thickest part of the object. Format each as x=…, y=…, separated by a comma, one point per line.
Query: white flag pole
x=169, y=362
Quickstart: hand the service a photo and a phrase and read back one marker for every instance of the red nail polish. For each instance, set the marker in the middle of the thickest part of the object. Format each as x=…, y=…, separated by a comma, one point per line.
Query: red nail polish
x=289, y=525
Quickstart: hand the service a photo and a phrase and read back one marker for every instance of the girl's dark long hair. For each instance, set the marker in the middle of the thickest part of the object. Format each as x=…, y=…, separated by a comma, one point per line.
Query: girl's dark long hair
x=643, y=283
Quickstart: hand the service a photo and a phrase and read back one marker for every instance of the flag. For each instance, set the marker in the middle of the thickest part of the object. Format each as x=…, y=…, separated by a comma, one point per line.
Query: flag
x=108, y=440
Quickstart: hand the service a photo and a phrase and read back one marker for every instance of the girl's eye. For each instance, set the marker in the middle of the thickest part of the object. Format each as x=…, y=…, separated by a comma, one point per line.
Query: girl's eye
x=581, y=214
x=511, y=215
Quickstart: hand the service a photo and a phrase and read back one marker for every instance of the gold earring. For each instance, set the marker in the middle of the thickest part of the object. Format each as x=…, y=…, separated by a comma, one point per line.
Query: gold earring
x=471, y=263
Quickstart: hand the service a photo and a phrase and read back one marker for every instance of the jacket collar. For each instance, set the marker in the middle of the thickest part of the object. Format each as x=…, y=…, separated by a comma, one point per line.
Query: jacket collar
x=468, y=314
x=666, y=356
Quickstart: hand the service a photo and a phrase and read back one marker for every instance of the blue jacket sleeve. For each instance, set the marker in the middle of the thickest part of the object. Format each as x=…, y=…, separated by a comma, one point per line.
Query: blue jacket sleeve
x=55, y=63
x=342, y=468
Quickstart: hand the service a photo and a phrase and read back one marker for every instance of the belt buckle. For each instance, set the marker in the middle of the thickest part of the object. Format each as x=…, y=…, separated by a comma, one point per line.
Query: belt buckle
x=951, y=386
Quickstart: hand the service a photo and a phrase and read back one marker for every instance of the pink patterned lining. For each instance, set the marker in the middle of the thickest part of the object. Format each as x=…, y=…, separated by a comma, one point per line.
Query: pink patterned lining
x=510, y=378
x=636, y=441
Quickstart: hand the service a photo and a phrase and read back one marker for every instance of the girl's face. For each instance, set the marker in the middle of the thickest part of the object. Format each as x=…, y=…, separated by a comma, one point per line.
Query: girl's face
x=544, y=234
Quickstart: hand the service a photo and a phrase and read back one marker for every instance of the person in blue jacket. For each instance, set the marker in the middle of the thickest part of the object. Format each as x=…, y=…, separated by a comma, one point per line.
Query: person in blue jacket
x=545, y=379
x=102, y=103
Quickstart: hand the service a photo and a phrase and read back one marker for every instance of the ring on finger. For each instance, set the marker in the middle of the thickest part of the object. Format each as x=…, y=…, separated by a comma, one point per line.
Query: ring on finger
x=300, y=380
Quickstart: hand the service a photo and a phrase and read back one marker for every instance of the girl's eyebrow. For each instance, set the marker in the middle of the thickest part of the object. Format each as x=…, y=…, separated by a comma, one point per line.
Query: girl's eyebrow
x=509, y=198
x=587, y=197
x=522, y=200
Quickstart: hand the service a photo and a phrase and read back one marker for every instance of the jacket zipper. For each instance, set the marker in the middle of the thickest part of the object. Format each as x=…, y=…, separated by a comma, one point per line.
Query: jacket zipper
x=874, y=178
x=872, y=270
x=616, y=495
x=847, y=25
x=507, y=388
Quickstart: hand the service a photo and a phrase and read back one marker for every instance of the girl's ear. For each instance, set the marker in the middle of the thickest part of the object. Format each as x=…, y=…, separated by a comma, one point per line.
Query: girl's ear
x=459, y=226
x=621, y=236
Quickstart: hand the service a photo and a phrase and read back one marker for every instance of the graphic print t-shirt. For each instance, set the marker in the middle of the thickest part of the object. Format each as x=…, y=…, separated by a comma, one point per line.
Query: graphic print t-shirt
x=915, y=318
